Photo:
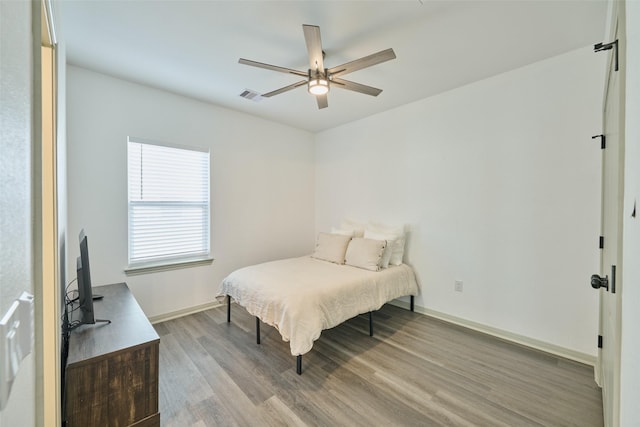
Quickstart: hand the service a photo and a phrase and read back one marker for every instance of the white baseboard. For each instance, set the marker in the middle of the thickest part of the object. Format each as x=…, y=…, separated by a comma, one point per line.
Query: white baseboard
x=184, y=312
x=556, y=350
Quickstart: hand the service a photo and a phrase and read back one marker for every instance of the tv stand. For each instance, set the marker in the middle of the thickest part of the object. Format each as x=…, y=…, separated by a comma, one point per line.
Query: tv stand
x=112, y=372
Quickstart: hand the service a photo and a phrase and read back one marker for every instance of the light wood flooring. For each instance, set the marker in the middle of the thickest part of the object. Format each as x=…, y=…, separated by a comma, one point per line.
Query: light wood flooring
x=414, y=371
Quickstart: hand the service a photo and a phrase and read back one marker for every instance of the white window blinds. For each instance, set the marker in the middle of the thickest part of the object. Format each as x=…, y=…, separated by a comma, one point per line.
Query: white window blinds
x=168, y=203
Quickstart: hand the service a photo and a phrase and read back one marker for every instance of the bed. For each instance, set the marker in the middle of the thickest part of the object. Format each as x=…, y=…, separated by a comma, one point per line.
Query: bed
x=302, y=296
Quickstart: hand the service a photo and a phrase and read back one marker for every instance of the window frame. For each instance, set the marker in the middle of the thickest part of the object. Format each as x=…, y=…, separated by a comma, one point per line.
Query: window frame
x=167, y=263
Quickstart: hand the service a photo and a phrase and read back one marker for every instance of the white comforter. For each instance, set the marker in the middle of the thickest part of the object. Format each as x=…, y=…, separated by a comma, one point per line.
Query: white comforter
x=302, y=296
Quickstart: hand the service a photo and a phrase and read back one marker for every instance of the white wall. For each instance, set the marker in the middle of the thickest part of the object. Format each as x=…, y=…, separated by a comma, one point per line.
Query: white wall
x=498, y=182
x=262, y=184
x=17, y=201
x=630, y=348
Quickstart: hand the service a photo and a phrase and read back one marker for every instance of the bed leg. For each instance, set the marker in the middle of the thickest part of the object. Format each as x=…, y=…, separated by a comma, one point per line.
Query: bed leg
x=299, y=364
x=257, y=330
x=370, y=323
x=228, y=308
x=411, y=303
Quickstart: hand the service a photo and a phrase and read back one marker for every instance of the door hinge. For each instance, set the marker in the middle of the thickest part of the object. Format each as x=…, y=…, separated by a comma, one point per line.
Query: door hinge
x=601, y=242
x=606, y=46
x=599, y=341
x=603, y=143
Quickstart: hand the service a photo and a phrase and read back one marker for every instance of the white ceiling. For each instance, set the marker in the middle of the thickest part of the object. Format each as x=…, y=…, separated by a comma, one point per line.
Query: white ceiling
x=192, y=47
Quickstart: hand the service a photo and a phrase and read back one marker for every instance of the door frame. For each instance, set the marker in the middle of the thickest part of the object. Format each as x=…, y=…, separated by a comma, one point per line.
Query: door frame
x=615, y=31
x=48, y=384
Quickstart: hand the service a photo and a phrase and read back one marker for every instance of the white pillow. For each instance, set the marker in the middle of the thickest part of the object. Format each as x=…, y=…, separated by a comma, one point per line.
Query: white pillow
x=342, y=231
x=388, y=250
x=365, y=253
x=331, y=247
x=398, y=246
x=355, y=226
x=398, y=251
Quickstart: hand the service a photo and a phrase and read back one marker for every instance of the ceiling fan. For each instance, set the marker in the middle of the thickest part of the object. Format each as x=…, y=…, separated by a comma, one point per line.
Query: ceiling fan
x=317, y=78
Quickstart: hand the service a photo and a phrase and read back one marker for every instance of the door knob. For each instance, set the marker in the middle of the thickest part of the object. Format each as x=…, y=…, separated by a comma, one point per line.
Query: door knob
x=598, y=282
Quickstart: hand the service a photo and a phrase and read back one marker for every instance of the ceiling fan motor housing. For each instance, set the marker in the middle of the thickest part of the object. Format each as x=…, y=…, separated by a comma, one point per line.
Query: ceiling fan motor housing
x=318, y=82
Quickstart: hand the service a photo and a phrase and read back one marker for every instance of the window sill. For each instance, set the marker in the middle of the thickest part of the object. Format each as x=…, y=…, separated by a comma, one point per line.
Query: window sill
x=169, y=265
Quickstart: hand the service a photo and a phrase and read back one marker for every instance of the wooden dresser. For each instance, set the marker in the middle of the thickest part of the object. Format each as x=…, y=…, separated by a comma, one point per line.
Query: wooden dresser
x=112, y=369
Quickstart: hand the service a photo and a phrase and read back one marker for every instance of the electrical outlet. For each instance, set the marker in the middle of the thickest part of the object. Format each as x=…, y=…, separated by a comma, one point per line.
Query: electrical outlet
x=458, y=286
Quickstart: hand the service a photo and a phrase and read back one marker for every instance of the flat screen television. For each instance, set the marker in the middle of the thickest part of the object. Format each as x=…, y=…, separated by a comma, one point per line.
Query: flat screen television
x=85, y=291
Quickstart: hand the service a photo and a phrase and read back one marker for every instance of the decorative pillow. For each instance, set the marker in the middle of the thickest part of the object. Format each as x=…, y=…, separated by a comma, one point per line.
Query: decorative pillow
x=342, y=231
x=399, y=240
x=331, y=247
x=355, y=226
x=365, y=253
x=388, y=250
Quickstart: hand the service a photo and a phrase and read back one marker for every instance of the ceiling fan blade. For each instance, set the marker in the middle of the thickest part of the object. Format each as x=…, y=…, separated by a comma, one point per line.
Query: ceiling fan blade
x=322, y=101
x=285, y=89
x=356, y=87
x=272, y=67
x=314, y=47
x=367, y=61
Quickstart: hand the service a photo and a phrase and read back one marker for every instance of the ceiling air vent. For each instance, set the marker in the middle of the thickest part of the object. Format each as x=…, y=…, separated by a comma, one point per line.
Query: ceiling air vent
x=251, y=95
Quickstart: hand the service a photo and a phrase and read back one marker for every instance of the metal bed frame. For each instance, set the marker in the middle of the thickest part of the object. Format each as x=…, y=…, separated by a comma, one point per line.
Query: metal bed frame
x=299, y=357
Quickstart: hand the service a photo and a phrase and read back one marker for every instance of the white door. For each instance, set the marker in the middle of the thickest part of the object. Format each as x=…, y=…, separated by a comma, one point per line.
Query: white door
x=611, y=254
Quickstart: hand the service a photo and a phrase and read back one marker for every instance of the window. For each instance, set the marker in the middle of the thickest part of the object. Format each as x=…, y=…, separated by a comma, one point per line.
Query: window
x=168, y=203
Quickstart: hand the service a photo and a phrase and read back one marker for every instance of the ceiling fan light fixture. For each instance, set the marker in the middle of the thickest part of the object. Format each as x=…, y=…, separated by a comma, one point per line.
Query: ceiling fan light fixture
x=318, y=86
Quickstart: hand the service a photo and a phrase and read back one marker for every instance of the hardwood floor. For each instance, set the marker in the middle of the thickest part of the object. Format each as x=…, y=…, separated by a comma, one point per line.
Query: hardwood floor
x=414, y=371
